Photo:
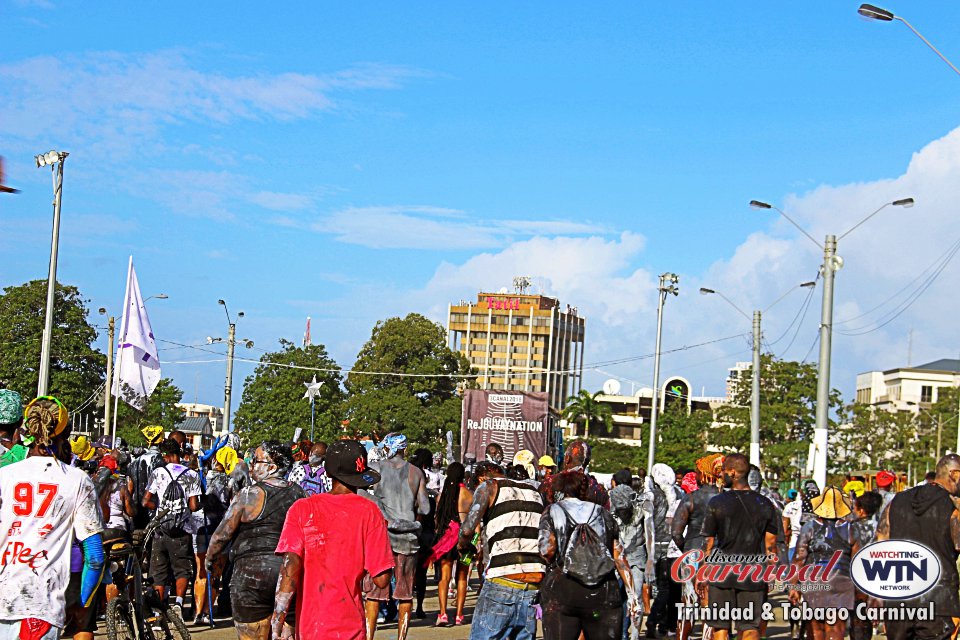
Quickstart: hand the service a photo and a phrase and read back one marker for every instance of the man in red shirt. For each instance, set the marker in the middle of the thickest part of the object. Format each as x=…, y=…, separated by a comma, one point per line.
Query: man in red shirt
x=329, y=541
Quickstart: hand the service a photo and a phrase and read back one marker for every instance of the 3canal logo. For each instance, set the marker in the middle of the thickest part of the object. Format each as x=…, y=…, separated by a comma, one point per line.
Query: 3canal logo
x=895, y=569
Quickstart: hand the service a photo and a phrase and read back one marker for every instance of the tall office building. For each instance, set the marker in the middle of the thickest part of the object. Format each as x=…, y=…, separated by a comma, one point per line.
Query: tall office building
x=520, y=342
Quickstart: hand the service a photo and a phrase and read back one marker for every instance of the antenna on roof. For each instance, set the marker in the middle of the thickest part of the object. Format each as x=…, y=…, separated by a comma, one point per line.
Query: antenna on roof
x=521, y=284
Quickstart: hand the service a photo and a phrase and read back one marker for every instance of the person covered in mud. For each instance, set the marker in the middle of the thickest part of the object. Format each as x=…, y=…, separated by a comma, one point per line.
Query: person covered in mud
x=401, y=495
x=577, y=458
x=253, y=523
x=329, y=542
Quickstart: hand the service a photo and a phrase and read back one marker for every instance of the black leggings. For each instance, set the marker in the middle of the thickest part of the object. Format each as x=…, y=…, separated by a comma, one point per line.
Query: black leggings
x=565, y=622
x=663, y=611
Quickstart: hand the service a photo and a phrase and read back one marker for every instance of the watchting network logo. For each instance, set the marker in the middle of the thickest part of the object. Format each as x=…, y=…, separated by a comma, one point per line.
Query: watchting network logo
x=895, y=569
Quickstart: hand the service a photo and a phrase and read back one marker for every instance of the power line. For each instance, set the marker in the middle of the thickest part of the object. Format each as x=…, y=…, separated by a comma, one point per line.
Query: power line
x=810, y=350
x=588, y=367
x=908, y=302
x=938, y=267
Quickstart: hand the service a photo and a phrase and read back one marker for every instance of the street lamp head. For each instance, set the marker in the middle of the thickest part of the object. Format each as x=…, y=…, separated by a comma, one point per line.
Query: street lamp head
x=248, y=344
x=875, y=13
x=756, y=204
x=906, y=203
x=102, y=311
x=809, y=285
x=240, y=315
x=161, y=296
x=704, y=291
x=222, y=302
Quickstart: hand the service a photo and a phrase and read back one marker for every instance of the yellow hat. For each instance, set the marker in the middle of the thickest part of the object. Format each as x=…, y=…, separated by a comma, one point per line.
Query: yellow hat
x=855, y=486
x=82, y=448
x=227, y=456
x=152, y=433
x=61, y=413
x=546, y=461
x=831, y=504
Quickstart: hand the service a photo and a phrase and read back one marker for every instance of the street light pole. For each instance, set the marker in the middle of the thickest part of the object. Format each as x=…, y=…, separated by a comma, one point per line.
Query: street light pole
x=111, y=324
x=882, y=15
x=755, y=395
x=668, y=284
x=228, y=386
x=831, y=264
x=231, y=344
x=51, y=158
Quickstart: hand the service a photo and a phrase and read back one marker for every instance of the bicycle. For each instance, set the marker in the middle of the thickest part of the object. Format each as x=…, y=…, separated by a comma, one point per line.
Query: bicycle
x=138, y=612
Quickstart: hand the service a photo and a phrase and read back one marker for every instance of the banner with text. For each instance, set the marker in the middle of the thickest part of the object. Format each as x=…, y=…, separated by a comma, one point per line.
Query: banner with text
x=513, y=419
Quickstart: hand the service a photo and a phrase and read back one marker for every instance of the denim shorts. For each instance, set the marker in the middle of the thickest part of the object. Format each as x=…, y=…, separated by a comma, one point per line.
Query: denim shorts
x=504, y=612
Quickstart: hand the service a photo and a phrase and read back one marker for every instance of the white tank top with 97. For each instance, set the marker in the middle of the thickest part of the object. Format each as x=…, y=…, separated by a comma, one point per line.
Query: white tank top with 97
x=43, y=505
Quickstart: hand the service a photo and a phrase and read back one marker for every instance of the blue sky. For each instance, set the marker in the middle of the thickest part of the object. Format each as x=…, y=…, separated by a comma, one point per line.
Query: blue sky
x=353, y=161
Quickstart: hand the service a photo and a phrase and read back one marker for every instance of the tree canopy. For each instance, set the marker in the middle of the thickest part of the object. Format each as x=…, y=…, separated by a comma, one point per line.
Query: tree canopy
x=77, y=368
x=788, y=394
x=273, y=404
x=585, y=410
x=160, y=408
x=415, y=403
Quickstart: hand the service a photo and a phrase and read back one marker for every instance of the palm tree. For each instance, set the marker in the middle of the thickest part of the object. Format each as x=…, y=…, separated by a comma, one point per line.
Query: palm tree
x=584, y=409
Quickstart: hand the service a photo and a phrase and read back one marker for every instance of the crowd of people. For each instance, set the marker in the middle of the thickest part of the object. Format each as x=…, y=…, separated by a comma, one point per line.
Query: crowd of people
x=310, y=540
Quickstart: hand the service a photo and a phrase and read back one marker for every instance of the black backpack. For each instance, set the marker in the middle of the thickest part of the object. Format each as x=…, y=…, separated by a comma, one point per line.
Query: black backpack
x=174, y=507
x=586, y=558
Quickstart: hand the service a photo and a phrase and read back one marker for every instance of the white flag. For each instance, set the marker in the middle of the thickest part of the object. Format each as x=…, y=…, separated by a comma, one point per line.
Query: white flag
x=137, y=369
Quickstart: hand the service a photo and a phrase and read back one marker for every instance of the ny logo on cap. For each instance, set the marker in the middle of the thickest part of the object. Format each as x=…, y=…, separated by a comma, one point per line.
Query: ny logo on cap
x=361, y=465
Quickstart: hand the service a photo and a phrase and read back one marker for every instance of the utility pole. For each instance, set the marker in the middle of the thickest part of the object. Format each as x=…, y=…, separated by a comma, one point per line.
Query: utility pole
x=668, y=282
x=228, y=386
x=108, y=388
x=755, y=395
x=42, y=160
x=231, y=344
x=831, y=264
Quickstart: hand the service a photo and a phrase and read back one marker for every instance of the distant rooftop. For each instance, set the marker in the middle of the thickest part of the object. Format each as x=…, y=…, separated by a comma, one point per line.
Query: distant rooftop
x=199, y=425
x=943, y=364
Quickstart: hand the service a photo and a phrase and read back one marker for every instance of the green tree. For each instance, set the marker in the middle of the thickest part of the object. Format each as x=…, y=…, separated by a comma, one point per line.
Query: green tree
x=160, y=408
x=423, y=403
x=874, y=438
x=608, y=456
x=77, y=369
x=682, y=435
x=942, y=417
x=273, y=405
x=788, y=393
x=589, y=413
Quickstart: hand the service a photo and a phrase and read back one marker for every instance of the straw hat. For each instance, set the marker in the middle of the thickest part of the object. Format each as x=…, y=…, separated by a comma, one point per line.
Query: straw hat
x=831, y=504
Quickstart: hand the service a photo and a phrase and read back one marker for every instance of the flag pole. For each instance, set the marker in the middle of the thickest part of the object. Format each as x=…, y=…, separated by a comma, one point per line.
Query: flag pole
x=125, y=325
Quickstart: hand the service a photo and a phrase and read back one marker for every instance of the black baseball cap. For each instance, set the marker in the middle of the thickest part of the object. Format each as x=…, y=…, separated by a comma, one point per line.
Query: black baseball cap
x=347, y=462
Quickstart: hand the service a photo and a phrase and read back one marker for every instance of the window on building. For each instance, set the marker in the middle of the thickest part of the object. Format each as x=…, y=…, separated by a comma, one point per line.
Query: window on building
x=926, y=393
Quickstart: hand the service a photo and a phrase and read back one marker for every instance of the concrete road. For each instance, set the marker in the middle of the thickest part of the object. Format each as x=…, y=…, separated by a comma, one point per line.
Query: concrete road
x=425, y=629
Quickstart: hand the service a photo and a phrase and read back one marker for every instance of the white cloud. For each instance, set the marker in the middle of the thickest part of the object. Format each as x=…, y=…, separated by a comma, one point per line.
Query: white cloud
x=614, y=287
x=116, y=103
x=427, y=227
x=881, y=258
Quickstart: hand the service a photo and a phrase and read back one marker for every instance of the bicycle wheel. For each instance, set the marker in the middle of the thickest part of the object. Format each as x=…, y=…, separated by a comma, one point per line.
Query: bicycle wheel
x=174, y=628
x=119, y=621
